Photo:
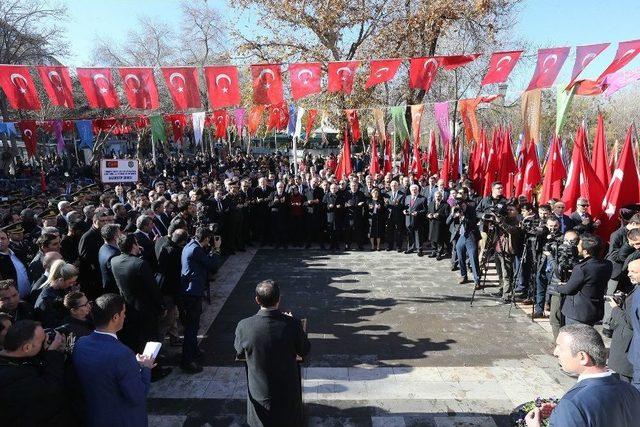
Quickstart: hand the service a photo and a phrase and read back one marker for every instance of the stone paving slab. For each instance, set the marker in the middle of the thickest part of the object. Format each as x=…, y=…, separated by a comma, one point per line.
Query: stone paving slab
x=394, y=342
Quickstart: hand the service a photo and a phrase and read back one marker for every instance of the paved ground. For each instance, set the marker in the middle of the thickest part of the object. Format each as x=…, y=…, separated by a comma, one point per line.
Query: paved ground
x=394, y=340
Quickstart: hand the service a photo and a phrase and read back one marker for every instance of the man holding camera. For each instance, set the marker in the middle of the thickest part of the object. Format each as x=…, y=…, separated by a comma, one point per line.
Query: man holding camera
x=197, y=262
x=508, y=243
x=468, y=236
x=585, y=289
x=487, y=204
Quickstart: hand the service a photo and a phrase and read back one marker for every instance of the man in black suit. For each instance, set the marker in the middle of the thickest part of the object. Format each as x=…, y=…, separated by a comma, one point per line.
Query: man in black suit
x=437, y=214
x=160, y=219
x=314, y=219
x=467, y=243
x=334, y=205
x=354, y=215
x=271, y=341
x=395, y=222
x=108, y=250
x=583, y=222
x=566, y=223
x=585, y=289
x=261, y=208
x=141, y=293
x=145, y=237
x=90, y=277
x=280, y=203
x=415, y=208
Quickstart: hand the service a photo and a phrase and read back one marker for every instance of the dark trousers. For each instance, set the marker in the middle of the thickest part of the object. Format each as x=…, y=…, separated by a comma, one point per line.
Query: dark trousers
x=190, y=310
x=313, y=229
x=354, y=232
x=468, y=247
x=542, y=282
x=334, y=234
x=556, y=319
x=395, y=231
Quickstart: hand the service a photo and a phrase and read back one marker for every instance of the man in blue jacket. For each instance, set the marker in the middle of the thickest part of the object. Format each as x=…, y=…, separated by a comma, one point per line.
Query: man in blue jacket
x=114, y=380
x=197, y=263
x=599, y=398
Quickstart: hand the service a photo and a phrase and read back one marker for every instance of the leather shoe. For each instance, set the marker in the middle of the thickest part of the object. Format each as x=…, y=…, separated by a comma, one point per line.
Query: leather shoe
x=420, y=253
x=159, y=373
x=175, y=341
x=478, y=286
x=191, y=367
x=454, y=268
x=463, y=280
x=408, y=252
x=538, y=316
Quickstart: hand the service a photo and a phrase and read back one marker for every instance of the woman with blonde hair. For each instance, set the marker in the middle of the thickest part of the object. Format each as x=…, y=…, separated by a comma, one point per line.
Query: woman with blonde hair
x=50, y=307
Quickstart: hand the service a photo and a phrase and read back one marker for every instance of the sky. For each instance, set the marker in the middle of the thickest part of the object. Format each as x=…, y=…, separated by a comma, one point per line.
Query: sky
x=542, y=23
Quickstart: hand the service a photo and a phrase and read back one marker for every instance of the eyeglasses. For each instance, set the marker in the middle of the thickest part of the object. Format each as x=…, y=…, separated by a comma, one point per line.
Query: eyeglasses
x=584, y=206
x=88, y=303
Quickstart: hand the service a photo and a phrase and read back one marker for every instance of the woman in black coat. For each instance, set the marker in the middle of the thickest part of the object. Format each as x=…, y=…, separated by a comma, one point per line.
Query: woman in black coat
x=437, y=214
x=377, y=215
x=78, y=322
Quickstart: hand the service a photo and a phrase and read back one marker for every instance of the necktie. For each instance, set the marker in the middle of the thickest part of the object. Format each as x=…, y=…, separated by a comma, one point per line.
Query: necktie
x=219, y=205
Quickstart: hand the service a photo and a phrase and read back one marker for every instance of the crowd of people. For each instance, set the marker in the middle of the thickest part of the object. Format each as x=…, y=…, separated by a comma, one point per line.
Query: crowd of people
x=117, y=266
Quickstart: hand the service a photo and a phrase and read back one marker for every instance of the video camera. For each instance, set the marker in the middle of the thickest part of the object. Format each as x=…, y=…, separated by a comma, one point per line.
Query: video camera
x=565, y=257
x=495, y=213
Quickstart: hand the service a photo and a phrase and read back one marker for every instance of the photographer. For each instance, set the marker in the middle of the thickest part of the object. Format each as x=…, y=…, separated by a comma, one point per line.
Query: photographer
x=31, y=380
x=621, y=325
x=534, y=233
x=467, y=243
x=585, y=289
x=490, y=202
x=508, y=243
x=546, y=264
x=565, y=257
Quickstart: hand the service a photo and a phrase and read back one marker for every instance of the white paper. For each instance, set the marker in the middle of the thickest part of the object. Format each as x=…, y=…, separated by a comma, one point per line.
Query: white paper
x=151, y=349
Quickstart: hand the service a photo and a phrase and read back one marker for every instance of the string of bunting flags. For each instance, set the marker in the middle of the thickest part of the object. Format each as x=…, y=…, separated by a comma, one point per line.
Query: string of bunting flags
x=223, y=82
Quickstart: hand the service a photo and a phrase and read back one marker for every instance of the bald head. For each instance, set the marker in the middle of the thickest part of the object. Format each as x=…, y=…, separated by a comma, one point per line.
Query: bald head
x=634, y=271
x=49, y=258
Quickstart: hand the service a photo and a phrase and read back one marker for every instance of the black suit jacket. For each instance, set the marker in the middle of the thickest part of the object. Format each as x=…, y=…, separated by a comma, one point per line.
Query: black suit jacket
x=270, y=341
x=137, y=285
x=160, y=225
x=148, y=247
x=622, y=335
x=585, y=289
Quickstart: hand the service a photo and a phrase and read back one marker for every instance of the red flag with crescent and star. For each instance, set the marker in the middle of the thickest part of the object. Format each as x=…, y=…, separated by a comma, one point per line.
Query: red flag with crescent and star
x=382, y=70
x=57, y=84
x=452, y=62
x=98, y=86
x=388, y=156
x=354, y=124
x=584, y=55
x=267, y=84
x=140, y=88
x=28, y=128
x=18, y=86
x=278, y=116
x=341, y=76
x=625, y=53
x=178, y=122
x=221, y=122
x=422, y=72
x=500, y=66
x=183, y=84
x=305, y=79
x=223, y=87
x=311, y=118
x=549, y=63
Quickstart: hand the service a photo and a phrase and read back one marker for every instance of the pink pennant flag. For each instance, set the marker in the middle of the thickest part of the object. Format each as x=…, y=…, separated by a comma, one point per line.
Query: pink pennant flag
x=441, y=111
x=616, y=81
x=57, y=129
x=239, y=117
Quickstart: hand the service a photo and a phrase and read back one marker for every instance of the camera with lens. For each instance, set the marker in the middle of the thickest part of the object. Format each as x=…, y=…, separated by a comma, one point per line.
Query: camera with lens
x=495, y=213
x=619, y=297
x=565, y=257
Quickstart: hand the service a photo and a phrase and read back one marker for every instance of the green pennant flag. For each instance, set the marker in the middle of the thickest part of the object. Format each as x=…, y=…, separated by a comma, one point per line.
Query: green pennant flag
x=157, y=128
x=563, y=100
x=400, y=122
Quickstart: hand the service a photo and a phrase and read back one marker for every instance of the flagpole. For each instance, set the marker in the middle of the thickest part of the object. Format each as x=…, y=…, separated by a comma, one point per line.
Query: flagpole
x=75, y=146
x=153, y=149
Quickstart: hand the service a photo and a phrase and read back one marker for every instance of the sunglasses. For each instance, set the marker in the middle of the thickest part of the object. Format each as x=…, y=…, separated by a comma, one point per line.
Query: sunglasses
x=584, y=206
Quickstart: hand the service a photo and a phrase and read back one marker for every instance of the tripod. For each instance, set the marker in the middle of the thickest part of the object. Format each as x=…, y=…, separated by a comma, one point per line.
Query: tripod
x=489, y=252
x=523, y=259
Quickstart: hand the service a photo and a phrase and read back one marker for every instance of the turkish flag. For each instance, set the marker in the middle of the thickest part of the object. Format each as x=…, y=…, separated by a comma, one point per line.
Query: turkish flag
x=490, y=168
x=184, y=86
x=341, y=76
x=578, y=172
x=140, y=88
x=625, y=53
x=554, y=173
x=98, y=86
x=592, y=188
x=500, y=66
x=422, y=72
x=343, y=170
x=311, y=117
x=254, y=119
x=178, y=122
x=416, y=161
x=374, y=165
x=17, y=84
x=433, y=154
x=142, y=122
x=28, y=128
x=446, y=165
x=454, y=61
x=223, y=87
x=278, y=116
x=624, y=188
x=599, y=158
x=220, y=120
x=57, y=84
x=354, y=124
x=584, y=55
x=532, y=175
x=382, y=70
x=549, y=63
x=508, y=167
x=388, y=156
x=304, y=79
x=267, y=84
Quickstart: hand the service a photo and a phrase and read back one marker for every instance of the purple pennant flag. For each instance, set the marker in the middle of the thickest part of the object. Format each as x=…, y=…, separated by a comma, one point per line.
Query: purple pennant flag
x=57, y=130
x=441, y=111
x=239, y=115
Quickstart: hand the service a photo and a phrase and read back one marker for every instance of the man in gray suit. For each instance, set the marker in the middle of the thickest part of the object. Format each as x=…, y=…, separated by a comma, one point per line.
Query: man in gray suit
x=271, y=341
